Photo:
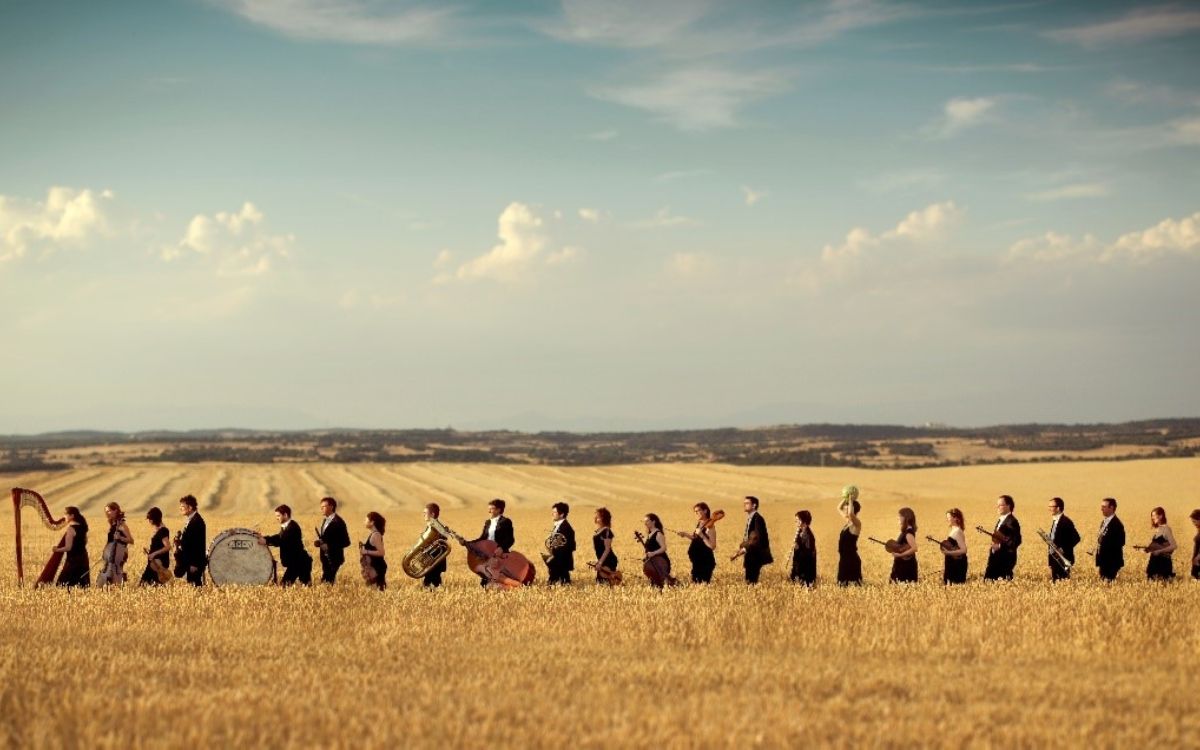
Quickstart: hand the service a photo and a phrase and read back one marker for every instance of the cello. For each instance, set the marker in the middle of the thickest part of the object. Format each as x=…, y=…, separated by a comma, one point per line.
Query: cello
x=657, y=568
x=502, y=570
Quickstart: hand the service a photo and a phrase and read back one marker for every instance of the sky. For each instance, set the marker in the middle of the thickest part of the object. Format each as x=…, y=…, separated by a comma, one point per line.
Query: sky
x=293, y=214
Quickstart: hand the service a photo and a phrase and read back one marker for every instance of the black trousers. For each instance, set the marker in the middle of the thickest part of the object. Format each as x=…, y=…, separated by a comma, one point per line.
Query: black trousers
x=301, y=572
x=329, y=569
x=1109, y=572
x=433, y=578
x=1056, y=571
x=558, y=575
x=1000, y=566
x=752, y=571
x=197, y=578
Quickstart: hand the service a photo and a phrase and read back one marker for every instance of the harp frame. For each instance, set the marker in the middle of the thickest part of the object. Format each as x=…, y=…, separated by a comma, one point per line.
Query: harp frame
x=22, y=497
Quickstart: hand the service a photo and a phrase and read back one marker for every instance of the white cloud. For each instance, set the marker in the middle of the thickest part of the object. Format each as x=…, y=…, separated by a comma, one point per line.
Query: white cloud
x=1072, y=191
x=919, y=226
x=521, y=241
x=1168, y=237
x=590, y=215
x=1052, y=247
x=1138, y=25
x=681, y=174
x=696, y=99
x=752, y=196
x=350, y=21
x=961, y=113
x=444, y=258
x=563, y=256
x=683, y=266
x=1185, y=130
x=66, y=217
x=626, y=23
x=892, y=181
x=602, y=135
x=233, y=243
x=664, y=218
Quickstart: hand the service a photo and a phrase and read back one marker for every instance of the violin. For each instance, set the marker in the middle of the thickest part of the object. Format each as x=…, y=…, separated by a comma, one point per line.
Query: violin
x=503, y=570
x=608, y=575
x=947, y=544
x=657, y=568
x=708, y=524
x=1150, y=548
x=890, y=545
x=998, y=536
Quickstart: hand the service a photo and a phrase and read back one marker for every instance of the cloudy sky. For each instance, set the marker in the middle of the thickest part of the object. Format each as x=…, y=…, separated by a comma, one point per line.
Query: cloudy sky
x=315, y=213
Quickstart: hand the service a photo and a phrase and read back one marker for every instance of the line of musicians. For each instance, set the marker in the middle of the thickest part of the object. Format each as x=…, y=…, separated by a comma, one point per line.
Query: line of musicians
x=493, y=559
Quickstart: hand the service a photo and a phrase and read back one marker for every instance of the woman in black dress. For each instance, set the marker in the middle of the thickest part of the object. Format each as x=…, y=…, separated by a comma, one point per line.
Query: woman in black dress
x=656, y=552
x=849, y=563
x=76, y=570
x=703, y=545
x=606, y=559
x=955, y=570
x=1196, y=545
x=804, y=551
x=116, y=547
x=159, y=549
x=904, y=562
x=372, y=551
x=1159, y=566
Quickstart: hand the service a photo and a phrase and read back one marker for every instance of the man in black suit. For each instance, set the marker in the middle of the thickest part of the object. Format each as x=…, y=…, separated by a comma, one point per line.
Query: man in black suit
x=756, y=543
x=562, y=559
x=496, y=529
x=1110, y=546
x=433, y=578
x=297, y=563
x=1002, y=557
x=191, y=549
x=332, y=540
x=1064, y=536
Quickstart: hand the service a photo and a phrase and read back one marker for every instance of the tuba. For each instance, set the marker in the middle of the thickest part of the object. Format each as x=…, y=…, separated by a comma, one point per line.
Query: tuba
x=553, y=542
x=430, y=549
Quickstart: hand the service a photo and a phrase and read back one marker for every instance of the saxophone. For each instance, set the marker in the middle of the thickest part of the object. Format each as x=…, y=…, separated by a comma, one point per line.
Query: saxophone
x=431, y=548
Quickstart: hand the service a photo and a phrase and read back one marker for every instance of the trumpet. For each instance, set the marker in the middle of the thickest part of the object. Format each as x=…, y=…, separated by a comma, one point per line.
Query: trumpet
x=1055, y=552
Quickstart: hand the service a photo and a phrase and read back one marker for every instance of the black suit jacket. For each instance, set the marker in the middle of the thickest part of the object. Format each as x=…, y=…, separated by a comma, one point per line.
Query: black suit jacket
x=1110, y=552
x=290, y=542
x=1065, y=537
x=757, y=543
x=505, y=538
x=564, y=557
x=193, y=546
x=1011, y=528
x=337, y=538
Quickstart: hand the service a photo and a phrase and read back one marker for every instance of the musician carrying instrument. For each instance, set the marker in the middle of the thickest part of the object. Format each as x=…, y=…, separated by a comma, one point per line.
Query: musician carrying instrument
x=431, y=548
x=554, y=541
x=1056, y=552
x=23, y=498
x=890, y=545
x=947, y=545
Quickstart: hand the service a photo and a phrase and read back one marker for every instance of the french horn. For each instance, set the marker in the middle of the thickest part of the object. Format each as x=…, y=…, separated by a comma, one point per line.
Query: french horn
x=553, y=542
x=431, y=548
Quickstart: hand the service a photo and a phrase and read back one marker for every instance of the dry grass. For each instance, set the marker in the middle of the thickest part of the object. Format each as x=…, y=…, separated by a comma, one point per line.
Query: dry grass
x=1021, y=664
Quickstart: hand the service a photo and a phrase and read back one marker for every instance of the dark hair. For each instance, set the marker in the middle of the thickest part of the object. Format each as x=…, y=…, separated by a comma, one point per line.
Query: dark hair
x=957, y=515
x=285, y=510
x=332, y=502
x=854, y=504
x=1160, y=512
x=754, y=500
x=606, y=516
x=434, y=509
x=1012, y=504
x=378, y=521
x=154, y=516
x=805, y=516
x=189, y=501
x=114, y=505
x=1058, y=502
x=1195, y=515
x=908, y=520
x=562, y=507
x=704, y=508
x=1111, y=501
x=655, y=521
x=74, y=513
x=498, y=503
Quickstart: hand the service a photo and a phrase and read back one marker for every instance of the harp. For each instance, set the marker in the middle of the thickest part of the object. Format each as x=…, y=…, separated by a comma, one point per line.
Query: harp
x=23, y=498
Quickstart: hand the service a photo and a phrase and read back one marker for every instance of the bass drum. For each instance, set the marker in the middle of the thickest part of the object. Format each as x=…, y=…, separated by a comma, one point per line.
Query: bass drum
x=235, y=558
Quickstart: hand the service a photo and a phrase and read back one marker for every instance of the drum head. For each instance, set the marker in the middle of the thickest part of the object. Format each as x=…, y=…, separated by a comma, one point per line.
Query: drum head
x=235, y=558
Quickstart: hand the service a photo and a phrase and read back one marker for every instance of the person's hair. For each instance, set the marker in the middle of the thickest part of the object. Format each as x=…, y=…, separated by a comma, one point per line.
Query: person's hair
x=498, y=503
x=1012, y=504
x=562, y=507
x=703, y=508
x=1110, y=501
x=1058, y=503
x=754, y=500
x=378, y=521
x=1195, y=515
x=805, y=516
x=154, y=516
x=853, y=503
x=74, y=513
x=114, y=505
x=606, y=516
x=655, y=521
x=189, y=501
x=434, y=509
x=956, y=515
x=332, y=502
x=908, y=520
x=1160, y=513
x=285, y=510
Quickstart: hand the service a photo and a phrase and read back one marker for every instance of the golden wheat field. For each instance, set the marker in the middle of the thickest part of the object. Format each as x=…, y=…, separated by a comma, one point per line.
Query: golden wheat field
x=1024, y=664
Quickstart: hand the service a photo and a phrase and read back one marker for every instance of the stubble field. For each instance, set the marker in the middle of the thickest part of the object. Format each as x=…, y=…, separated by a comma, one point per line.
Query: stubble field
x=1020, y=664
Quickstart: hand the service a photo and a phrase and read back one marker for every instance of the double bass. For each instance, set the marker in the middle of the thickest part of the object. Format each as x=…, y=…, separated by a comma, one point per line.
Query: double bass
x=502, y=570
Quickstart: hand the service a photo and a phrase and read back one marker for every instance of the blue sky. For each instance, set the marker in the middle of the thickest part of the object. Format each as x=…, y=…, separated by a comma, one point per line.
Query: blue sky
x=313, y=213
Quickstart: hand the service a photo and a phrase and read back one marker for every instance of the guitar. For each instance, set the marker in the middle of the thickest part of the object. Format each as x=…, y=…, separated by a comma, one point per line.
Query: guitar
x=657, y=568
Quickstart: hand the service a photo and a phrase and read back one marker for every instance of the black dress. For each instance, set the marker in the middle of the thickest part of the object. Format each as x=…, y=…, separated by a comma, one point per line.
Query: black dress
x=611, y=561
x=904, y=569
x=955, y=570
x=1159, y=567
x=379, y=564
x=804, y=558
x=704, y=562
x=76, y=570
x=653, y=545
x=157, y=542
x=849, y=563
x=1195, y=557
